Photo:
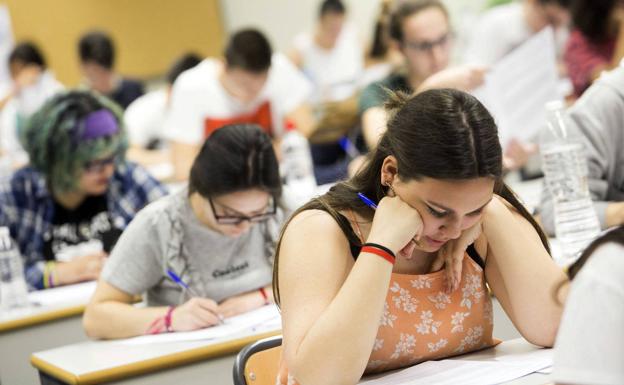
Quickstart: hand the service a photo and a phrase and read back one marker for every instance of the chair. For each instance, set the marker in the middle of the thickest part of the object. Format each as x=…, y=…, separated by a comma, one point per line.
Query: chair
x=258, y=362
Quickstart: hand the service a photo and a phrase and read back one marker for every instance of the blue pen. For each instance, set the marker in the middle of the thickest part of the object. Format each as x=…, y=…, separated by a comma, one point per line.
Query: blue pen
x=349, y=148
x=174, y=277
x=367, y=201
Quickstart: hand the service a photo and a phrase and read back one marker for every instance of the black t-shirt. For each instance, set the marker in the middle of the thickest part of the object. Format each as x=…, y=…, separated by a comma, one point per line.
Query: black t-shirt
x=127, y=92
x=73, y=229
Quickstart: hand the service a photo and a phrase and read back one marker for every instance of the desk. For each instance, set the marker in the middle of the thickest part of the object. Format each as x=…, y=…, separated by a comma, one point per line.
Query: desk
x=55, y=321
x=190, y=362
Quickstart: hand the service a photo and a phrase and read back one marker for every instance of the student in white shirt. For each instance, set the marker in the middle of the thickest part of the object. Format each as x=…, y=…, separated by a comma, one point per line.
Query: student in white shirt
x=590, y=344
x=506, y=27
x=145, y=117
x=331, y=57
x=252, y=85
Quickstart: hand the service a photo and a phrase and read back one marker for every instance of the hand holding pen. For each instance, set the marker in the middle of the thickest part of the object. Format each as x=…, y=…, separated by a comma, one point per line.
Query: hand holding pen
x=196, y=313
x=396, y=225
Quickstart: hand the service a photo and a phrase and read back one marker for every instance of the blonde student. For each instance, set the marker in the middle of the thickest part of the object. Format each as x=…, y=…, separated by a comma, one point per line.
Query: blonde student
x=590, y=342
x=215, y=238
x=371, y=295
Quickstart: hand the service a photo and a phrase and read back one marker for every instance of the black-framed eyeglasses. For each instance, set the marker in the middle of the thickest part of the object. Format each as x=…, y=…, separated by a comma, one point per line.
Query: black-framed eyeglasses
x=237, y=219
x=98, y=165
x=428, y=46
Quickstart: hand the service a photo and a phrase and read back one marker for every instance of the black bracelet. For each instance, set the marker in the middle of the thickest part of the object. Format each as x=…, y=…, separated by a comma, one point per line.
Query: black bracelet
x=380, y=247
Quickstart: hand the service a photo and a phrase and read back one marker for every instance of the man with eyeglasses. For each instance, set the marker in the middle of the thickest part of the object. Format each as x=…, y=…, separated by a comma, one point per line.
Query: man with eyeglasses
x=421, y=32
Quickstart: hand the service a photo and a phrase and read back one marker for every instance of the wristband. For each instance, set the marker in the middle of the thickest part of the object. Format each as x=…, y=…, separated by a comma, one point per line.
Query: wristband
x=379, y=250
x=264, y=295
x=167, y=319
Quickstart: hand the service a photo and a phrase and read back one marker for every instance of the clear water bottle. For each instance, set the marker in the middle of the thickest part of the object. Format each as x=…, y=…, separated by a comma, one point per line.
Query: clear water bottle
x=296, y=168
x=565, y=170
x=13, y=289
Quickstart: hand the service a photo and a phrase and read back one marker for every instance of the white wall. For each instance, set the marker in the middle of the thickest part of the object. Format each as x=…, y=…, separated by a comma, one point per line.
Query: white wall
x=281, y=20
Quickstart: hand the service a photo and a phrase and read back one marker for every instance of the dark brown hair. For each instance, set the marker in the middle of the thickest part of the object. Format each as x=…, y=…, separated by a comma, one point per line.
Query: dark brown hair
x=440, y=134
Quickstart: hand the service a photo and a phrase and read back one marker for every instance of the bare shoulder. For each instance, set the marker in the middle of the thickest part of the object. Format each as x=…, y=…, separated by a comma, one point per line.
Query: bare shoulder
x=314, y=245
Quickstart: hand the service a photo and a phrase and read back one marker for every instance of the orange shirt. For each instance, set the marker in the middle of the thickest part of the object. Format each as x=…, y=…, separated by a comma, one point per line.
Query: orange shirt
x=421, y=322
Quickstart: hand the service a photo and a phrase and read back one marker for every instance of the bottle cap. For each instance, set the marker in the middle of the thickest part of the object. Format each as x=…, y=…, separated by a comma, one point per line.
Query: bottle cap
x=555, y=105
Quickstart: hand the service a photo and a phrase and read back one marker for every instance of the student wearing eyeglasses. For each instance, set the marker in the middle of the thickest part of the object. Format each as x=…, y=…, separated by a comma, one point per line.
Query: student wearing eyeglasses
x=216, y=237
x=67, y=208
x=421, y=31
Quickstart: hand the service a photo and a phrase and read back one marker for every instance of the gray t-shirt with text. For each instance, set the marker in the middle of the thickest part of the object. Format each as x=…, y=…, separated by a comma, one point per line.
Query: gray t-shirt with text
x=167, y=235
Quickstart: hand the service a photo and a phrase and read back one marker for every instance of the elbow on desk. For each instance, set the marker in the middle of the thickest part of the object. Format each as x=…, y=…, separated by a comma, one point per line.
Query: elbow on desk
x=544, y=335
x=91, y=324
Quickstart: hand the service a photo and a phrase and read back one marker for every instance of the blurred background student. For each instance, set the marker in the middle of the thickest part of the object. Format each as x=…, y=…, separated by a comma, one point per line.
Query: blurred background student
x=597, y=120
x=66, y=209
x=251, y=85
x=97, y=64
x=421, y=31
x=590, y=343
x=31, y=85
x=505, y=27
x=596, y=42
x=145, y=117
x=217, y=235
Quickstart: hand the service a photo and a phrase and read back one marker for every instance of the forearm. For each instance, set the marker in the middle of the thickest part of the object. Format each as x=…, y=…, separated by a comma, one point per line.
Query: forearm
x=374, y=121
x=111, y=319
x=614, y=213
x=342, y=338
x=521, y=270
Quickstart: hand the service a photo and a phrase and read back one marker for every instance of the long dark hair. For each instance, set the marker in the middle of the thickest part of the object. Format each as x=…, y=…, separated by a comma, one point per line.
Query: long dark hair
x=592, y=17
x=235, y=157
x=440, y=134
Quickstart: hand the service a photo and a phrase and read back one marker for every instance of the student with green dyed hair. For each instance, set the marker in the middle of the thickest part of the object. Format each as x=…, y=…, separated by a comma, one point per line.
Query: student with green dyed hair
x=66, y=209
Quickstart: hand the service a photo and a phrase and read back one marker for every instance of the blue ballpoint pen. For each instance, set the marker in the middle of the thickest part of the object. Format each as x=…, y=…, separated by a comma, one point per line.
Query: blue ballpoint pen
x=367, y=201
x=174, y=277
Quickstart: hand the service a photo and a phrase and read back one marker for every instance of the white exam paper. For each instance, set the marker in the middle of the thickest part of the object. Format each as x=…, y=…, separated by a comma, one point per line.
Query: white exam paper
x=265, y=318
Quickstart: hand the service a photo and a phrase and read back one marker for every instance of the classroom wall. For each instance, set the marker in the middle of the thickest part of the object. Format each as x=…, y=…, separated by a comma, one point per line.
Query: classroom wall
x=149, y=34
x=281, y=20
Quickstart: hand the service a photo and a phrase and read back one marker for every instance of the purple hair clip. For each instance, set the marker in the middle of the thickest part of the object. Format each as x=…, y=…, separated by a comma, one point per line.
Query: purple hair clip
x=98, y=124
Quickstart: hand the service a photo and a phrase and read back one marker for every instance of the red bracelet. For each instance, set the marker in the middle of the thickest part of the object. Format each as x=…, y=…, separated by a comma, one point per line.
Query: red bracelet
x=168, y=318
x=264, y=295
x=377, y=251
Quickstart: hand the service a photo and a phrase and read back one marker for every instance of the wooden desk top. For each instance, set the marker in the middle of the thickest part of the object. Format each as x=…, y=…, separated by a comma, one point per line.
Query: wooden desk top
x=96, y=362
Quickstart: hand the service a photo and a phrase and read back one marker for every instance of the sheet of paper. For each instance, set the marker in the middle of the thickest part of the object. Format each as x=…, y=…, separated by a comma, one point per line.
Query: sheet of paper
x=72, y=294
x=263, y=319
x=488, y=372
x=518, y=86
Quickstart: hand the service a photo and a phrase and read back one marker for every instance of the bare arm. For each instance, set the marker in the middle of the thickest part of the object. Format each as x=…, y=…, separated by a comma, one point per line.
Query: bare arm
x=614, y=214
x=110, y=314
x=330, y=311
x=521, y=273
x=331, y=306
x=182, y=156
x=374, y=122
x=303, y=119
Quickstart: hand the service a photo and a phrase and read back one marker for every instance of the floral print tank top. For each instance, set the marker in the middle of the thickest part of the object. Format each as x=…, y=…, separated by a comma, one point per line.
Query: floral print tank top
x=420, y=321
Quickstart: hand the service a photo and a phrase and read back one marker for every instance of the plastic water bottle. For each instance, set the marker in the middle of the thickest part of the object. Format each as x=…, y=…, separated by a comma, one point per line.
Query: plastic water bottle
x=13, y=289
x=296, y=168
x=565, y=170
